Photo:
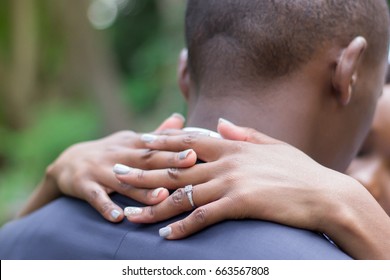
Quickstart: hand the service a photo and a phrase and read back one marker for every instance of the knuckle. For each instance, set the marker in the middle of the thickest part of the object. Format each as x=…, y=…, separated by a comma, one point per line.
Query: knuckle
x=200, y=215
x=238, y=146
x=147, y=157
x=181, y=226
x=230, y=164
x=173, y=173
x=190, y=139
x=125, y=134
x=113, y=149
x=236, y=211
x=177, y=198
x=105, y=207
x=78, y=178
x=140, y=175
x=123, y=137
x=231, y=180
x=150, y=211
x=93, y=195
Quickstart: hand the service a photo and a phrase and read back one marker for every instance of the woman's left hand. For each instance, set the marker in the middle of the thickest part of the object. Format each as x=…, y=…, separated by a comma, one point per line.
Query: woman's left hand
x=258, y=177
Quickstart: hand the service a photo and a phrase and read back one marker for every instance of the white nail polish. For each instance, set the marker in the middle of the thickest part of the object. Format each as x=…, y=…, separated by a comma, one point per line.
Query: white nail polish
x=179, y=116
x=148, y=138
x=184, y=54
x=156, y=192
x=184, y=154
x=215, y=135
x=121, y=169
x=165, y=231
x=129, y=211
x=115, y=214
x=222, y=120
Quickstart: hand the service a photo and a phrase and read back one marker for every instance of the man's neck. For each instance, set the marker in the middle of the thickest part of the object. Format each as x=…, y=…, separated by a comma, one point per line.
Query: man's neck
x=289, y=111
x=288, y=121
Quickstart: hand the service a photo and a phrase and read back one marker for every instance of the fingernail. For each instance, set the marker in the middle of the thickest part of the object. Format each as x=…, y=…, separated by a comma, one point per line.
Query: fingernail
x=121, y=169
x=156, y=192
x=184, y=54
x=222, y=120
x=165, y=231
x=179, y=116
x=214, y=135
x=148, y=138
x=184, y=154
x=130, y=211
x=115, y=214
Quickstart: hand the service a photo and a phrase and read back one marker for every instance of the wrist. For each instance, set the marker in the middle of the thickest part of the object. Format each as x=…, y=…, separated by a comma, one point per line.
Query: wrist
x=45, y=192
x=355, y=221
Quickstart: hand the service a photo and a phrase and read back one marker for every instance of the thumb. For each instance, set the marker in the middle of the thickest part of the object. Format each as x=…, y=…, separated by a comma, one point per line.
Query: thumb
x=175, y=121
x=230, y=131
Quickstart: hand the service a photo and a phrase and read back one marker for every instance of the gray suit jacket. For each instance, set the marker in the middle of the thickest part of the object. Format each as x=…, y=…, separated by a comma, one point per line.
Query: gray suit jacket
x=69, y=228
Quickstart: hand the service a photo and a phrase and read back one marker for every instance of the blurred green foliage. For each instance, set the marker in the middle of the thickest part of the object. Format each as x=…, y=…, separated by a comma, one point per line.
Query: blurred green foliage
x=144, y=42
x=28, y=152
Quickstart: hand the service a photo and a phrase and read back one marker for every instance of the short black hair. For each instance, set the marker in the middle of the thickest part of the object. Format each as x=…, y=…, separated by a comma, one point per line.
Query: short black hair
x=252, y=39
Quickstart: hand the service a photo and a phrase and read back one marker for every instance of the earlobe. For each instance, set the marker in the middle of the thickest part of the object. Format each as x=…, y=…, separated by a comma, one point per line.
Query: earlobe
x=183, y=74
x=346, y=72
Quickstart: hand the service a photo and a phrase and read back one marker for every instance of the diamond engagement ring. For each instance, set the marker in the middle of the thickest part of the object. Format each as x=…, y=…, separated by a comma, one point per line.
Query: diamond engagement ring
x=188, y=191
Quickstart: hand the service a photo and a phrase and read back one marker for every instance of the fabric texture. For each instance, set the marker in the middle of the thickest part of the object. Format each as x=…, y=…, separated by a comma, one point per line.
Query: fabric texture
x=69, y=228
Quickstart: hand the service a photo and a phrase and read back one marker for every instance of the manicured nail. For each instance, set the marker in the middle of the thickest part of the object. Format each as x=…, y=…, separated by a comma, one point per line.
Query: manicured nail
x=115, y=214
x=184, y=54
x=148, y=138
x=156, y=192
x=130, y=211
x=121, y=169
x=222, y=120
x=165, y=231
x=184, y=154
x=214, y=135
x=179, y=116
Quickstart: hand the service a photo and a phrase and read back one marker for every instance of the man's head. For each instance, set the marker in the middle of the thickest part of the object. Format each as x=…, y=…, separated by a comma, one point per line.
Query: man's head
x=327, y=57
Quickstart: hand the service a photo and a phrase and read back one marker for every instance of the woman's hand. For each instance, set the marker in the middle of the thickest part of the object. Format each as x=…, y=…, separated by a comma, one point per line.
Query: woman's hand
x=261, y=178
x=238, y=180
x=85, y=171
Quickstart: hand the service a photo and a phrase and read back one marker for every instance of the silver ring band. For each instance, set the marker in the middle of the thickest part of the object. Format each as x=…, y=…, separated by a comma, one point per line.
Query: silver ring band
x=188, y=191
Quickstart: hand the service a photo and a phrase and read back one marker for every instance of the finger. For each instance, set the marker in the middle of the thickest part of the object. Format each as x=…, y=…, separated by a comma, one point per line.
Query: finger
x=153, y=159
x=146, y=196
x=174, y=205
x=170, y=178
x=175, y=121
x=171, y=132
x=230, y=131
x=198, y=220
x=207, y=148
x=95, y=195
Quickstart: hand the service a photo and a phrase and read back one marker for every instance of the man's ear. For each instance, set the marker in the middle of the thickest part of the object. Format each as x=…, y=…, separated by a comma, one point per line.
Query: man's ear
x=183, y=74
x=345, y=74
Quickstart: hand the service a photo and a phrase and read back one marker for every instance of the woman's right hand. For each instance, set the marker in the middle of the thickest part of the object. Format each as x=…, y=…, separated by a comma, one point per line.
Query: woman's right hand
x=84, y=171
